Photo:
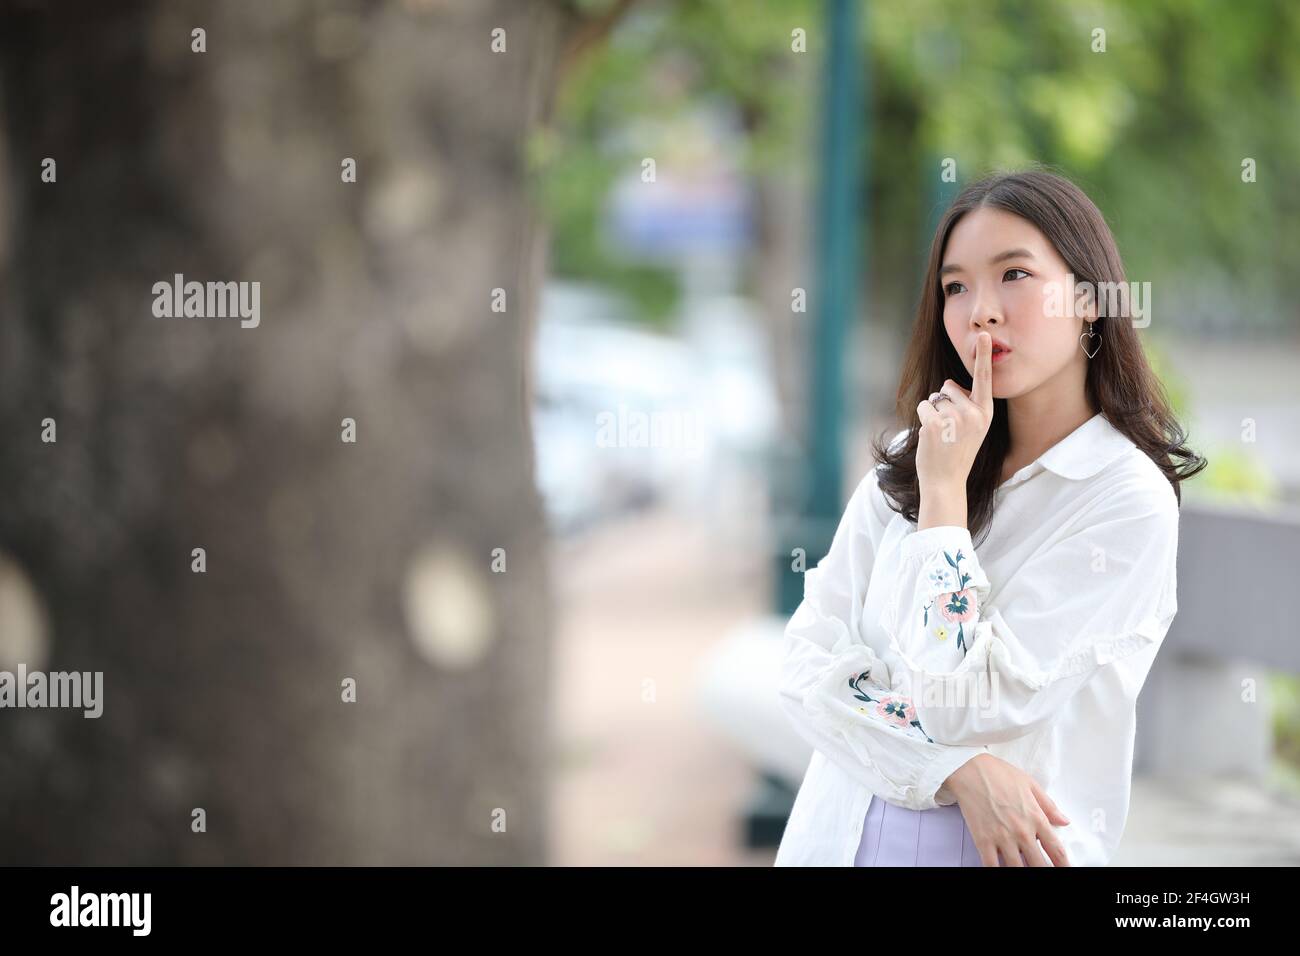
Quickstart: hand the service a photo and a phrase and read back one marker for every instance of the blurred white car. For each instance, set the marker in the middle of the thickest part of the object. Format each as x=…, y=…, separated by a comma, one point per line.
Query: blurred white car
x=612, y=409
x=625, y=417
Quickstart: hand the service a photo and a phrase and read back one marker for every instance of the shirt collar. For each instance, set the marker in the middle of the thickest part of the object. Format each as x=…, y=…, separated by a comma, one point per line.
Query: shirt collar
x=1086, y=450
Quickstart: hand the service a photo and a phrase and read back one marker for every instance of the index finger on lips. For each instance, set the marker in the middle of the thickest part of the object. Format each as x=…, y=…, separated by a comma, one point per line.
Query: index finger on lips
x=982, y=383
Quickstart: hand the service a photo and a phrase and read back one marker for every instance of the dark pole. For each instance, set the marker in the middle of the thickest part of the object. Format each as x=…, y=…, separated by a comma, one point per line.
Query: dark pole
x=839, y=272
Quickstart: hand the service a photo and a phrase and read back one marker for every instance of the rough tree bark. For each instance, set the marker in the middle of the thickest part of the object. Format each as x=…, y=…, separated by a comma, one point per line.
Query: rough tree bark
x=325, y=559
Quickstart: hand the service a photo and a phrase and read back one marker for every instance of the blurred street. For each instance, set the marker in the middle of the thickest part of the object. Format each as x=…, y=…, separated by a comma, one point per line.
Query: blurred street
x=642, y=780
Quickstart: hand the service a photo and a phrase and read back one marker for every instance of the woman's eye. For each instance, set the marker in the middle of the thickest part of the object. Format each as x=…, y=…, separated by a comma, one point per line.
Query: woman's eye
x=952, y=288
x=1009, y=271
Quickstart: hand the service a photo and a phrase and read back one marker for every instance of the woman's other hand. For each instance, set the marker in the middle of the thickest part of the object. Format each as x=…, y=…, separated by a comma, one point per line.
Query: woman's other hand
x=1007, y=813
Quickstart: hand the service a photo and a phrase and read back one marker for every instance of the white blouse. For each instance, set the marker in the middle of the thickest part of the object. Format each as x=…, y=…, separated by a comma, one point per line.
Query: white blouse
x=911, y=653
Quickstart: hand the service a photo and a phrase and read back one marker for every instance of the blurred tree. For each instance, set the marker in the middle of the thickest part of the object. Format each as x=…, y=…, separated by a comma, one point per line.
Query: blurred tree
x=325, y=560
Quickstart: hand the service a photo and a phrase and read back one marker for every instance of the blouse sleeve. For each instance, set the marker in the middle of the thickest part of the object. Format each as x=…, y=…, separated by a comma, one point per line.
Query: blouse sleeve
x=984, y=672
x=837, y=692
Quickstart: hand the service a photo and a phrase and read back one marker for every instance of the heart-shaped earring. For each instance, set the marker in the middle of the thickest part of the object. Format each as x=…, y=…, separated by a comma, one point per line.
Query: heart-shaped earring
x=1090, y=335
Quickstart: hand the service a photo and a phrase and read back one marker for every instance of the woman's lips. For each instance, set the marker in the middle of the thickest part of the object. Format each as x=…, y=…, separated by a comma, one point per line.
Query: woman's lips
x=1000, y=356
x=999, y=353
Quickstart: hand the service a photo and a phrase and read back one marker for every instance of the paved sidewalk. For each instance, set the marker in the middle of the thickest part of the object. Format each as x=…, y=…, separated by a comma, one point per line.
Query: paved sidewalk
x=642, y=780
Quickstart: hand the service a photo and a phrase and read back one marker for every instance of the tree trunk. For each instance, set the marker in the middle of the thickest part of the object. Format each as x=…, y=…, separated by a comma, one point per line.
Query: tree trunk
x=325, y=559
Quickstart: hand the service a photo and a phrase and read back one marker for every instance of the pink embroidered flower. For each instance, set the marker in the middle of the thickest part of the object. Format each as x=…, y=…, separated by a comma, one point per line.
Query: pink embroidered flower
x=896, y=709
x=958, y=605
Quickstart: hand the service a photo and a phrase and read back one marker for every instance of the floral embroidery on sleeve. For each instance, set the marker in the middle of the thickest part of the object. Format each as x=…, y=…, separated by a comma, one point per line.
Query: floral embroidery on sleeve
x=957, y=605
x=896, y=709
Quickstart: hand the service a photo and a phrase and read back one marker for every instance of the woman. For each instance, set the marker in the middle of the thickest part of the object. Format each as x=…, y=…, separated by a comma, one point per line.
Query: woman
x=974, y=706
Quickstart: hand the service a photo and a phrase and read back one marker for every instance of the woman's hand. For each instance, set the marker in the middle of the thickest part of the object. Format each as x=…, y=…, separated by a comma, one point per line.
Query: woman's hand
x=1007, y=813
x=952, y=434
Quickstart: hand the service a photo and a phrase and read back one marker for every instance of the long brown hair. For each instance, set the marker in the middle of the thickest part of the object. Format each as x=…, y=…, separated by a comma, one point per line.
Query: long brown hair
x=1120, y=383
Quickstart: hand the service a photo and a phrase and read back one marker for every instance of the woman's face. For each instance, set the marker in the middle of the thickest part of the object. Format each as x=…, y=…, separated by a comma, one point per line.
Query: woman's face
x=996, y=277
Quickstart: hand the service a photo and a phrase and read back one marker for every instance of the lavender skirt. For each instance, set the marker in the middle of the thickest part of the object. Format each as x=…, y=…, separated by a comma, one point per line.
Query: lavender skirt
x=896, y=836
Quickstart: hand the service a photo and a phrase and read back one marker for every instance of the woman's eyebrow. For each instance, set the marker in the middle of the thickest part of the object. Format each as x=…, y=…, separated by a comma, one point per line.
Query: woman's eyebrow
x=1009, y=254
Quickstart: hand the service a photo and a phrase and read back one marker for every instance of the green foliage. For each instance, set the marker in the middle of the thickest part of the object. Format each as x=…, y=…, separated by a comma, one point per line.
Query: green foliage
x=629, y=98
x=1155, y=128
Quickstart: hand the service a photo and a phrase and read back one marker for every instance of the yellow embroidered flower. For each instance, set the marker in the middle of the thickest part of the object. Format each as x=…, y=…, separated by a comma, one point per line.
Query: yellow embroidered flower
x=941, y=633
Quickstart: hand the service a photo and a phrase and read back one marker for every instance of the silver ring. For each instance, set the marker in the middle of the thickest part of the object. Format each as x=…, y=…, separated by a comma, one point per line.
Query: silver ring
x=938, y=397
